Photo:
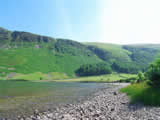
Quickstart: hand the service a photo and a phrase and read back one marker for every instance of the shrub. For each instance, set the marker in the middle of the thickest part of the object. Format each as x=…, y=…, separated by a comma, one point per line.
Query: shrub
x=149, y=82
x=153, y=73
x=143, y=93
x=140, y=77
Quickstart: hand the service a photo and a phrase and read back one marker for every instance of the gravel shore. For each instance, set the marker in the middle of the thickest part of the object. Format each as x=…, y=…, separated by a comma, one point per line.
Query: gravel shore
x=107, y=104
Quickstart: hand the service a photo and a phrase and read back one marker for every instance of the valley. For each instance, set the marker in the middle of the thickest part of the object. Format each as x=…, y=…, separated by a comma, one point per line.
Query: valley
x=40, y=74
x=25, y=54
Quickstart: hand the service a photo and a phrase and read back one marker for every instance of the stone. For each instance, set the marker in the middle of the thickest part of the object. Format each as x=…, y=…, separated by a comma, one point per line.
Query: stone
x=115, y=93
x=106, y=104
x=112, y=109
x=36, y=112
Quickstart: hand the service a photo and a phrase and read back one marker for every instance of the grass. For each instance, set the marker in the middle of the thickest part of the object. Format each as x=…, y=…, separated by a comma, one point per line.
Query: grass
x=116, y=50
x=31, y=60
x=37, y=76
x=143, y=93
x=62, y=77
x=57, y=75
x=102, y=78
x=31, y=76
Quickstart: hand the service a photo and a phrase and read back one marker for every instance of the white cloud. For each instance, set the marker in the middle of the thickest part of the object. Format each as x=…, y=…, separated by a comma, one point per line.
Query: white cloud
x=130, y=21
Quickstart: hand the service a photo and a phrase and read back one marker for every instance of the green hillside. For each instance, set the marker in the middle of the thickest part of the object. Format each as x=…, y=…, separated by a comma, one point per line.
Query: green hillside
x=114, y=51
x=31, y=56
x=152, y=46
x=26, y=53
x=126, y=56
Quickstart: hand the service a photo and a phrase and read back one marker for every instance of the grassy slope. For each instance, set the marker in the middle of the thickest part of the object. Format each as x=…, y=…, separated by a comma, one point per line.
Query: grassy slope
x=32, y=63
x=31, y=60
x=54, y=59
x=116, y=50
x=101, y=78
x=152, y=46
x=35, y=56
x=143, y=93
x=139, y=54
x=119, y=52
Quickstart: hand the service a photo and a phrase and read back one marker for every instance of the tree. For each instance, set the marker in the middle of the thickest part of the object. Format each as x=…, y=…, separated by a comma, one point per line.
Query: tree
x=127, y=67
x=153, y=73
x=93, y=69
x=140, y=77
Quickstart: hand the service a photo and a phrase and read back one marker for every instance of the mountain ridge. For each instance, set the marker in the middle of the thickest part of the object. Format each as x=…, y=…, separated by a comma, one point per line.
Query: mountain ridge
x=37, y=53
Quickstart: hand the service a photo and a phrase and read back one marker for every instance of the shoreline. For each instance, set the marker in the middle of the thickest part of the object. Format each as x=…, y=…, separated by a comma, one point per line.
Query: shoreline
x=106, y=104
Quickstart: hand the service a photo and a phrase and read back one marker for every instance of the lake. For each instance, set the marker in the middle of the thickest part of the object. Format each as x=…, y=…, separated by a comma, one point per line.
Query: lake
x=23, y=97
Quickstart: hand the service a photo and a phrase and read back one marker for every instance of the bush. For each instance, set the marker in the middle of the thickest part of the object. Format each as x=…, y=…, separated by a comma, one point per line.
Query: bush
x=153, y=73
x=143, y=93
x=140, y=77
x=149, y=82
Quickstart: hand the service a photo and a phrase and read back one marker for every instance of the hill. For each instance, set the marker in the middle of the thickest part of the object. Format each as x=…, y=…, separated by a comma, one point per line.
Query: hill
x=126, y=56
x=26, y=53
x=109, y=52
x=31, y=56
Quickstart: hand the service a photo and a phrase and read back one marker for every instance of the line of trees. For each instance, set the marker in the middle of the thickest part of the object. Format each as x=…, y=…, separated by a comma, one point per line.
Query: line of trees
x=94, y=69
x=152, y=75
x=105, y=68
x=125, y=67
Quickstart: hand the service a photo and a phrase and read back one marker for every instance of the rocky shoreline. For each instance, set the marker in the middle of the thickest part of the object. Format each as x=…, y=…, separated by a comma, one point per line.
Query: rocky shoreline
x=107, y=104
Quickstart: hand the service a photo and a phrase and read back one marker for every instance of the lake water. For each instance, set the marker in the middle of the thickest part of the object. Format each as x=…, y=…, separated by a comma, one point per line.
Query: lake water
x=23, y=97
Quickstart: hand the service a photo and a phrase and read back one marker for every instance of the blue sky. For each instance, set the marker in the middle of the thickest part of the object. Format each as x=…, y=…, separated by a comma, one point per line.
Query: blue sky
x=112, y=21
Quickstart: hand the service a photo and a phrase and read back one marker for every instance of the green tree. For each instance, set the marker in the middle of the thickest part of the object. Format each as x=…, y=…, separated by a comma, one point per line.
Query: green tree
x=140, y=77
x=94, y=69
x=153, y=73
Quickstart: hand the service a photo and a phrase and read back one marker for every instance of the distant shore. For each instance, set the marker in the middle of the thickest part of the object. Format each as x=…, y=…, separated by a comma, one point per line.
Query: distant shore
x=107, y=104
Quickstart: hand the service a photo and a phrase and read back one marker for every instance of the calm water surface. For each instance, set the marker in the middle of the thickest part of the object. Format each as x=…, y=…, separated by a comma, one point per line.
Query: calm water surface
x=23, y=97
